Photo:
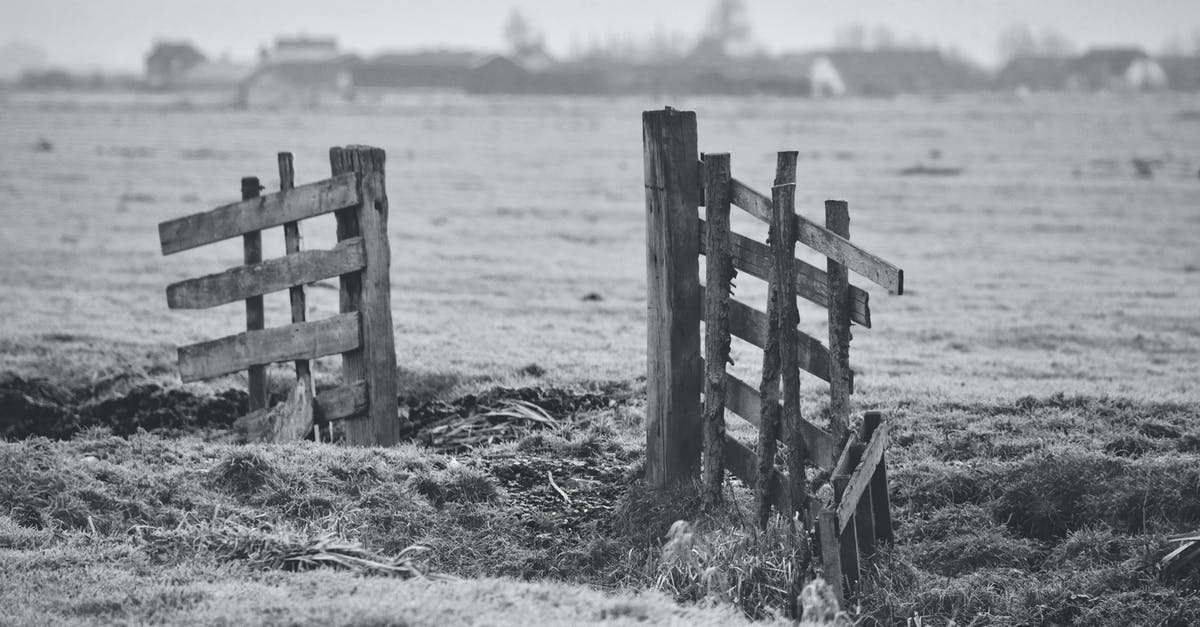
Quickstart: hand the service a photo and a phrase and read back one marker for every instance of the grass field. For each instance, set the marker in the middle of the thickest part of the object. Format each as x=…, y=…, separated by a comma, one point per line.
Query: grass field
x=1040, y=368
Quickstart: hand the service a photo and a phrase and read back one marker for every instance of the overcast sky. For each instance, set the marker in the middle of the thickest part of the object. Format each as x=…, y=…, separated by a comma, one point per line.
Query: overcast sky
x=115, y=34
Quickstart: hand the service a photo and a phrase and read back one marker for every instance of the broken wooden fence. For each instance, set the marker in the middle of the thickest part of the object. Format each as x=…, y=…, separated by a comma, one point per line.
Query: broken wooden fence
x=362, y=333
x=679, y=425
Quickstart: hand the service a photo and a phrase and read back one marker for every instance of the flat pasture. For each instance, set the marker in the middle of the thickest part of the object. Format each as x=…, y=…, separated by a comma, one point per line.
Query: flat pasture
x=1039, y=257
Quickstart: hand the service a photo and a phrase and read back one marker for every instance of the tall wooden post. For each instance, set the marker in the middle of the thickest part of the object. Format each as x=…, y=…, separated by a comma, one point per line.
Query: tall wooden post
x=719, y=272
x=251, y=254
x=292, y=240
x=837, y=219
x=369, y=293
x=673, y=373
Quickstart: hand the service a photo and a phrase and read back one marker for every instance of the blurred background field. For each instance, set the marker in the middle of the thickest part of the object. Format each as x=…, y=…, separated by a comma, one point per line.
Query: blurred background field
x=1049, y=242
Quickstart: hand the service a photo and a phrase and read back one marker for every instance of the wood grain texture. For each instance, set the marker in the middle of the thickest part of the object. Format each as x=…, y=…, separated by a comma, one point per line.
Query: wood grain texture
x=296, y=297
x=288, y=421
x=824, y=241
x=752, y=325
x=754, y=258
x=860, y=478
x=831, y=557
x=837, y=220
x=264, y=212
x=783, y=248
x=742, y=399
x=881, y=505
x=341, y=402
x=246, y=281
x=256, y=375
x=719, y=272
x=376, y=362
x=673, y=375
x=306, y=340
x=847, y=540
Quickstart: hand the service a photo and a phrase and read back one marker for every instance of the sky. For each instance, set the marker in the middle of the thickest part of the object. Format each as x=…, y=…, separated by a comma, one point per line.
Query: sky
x=115, y=35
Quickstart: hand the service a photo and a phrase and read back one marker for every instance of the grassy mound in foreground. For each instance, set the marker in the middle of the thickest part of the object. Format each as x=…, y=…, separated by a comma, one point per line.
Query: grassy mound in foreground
x=1019, y=513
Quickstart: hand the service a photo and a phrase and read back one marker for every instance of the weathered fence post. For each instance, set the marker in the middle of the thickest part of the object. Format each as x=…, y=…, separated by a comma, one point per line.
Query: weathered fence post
x=291, y=236
x=369, y=293
x=252, y=253
x=837, y=220
x=673, y=373
x=718, y=274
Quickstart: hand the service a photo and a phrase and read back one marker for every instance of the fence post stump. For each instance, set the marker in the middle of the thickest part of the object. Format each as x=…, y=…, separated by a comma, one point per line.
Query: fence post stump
x=252, y=253
x=837, y=219
x=673, y=373
x=881, y=504
x=719, y=273
x=369, y=293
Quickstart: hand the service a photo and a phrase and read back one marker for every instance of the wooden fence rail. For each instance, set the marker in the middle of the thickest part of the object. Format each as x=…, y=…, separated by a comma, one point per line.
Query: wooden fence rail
x=362, y=333
x=688, y=394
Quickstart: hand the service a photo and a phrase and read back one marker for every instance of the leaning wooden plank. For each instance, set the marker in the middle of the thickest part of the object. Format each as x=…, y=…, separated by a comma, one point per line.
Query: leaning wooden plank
x=743, y=464
x=751, y=325
x=754, y=258
x=881, y=504
x=823, y=240
x=742, y=399
x=864, y=470
x=307, y=340
x=269, y=276
x=342, y=402
x=847, y=541
x=259, y=213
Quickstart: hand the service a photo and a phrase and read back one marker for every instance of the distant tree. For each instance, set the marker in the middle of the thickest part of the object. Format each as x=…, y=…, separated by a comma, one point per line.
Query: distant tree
x=853, y=36
x=520, y=34
x=1019, y=40
x=728, y=25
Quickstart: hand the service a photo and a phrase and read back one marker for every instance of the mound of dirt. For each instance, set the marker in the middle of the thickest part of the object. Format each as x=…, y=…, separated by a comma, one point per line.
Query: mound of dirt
x=37, y=407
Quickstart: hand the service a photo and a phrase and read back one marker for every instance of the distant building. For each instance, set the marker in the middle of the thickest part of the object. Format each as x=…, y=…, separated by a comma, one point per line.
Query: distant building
x=1035, y=73
x=884, y=72
x=220, y=82
x=301, y=71
x=416, y=70
x=304, y=49
x=168, y=60
x=1117, y=69
x=1183, y=73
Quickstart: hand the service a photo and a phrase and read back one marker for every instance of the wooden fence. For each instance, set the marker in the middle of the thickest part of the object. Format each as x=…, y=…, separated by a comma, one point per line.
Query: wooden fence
x=362, y=333
x=681, y=429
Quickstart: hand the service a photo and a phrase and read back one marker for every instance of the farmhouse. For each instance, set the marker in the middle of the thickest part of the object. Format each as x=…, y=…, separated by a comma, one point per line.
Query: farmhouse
x=397, y=71
x=300, y=71
x=1117, y=69
x=220, y=82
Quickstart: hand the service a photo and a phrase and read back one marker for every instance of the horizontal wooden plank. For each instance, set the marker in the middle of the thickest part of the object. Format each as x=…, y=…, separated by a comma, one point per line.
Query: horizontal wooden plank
x=742, y=399
x=341, y=402
x=242, y=282
x=302, y=340
x=754, y=258
x=860, y=479
x=743, y=464
x=750, y=324
x=823, y=240
x=264, y=212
